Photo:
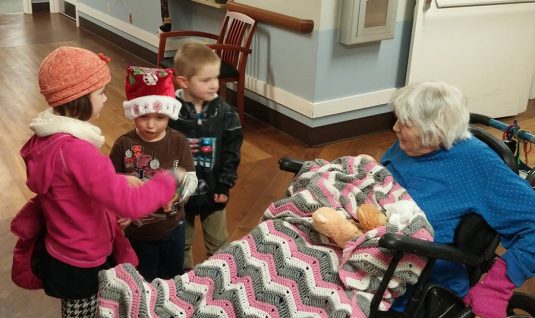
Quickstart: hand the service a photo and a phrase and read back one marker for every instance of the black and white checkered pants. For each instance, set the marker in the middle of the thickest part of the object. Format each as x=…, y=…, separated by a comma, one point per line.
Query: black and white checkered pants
x=79, y=308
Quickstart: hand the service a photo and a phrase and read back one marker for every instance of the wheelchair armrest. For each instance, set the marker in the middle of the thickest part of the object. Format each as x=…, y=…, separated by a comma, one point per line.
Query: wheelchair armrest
x=290, y=164
x=407, y=244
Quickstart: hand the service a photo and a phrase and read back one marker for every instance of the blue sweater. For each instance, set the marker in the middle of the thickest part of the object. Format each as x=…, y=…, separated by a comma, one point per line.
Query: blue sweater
x=470, y=177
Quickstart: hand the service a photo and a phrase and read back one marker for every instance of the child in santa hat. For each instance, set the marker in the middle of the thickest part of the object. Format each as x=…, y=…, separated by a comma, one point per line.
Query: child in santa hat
x=144, y=151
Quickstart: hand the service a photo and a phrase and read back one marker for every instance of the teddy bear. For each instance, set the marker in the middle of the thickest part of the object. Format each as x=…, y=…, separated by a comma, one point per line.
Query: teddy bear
x=335, y=226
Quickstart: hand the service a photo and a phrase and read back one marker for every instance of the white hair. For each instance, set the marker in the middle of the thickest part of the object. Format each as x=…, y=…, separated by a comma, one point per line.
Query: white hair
x=437, y=108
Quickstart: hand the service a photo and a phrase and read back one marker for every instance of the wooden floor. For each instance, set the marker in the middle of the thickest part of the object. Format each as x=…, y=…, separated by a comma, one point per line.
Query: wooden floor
x=27, y=39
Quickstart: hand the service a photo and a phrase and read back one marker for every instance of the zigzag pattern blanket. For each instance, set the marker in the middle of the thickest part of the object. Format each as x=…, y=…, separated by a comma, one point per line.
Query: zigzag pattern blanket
x=284, y=267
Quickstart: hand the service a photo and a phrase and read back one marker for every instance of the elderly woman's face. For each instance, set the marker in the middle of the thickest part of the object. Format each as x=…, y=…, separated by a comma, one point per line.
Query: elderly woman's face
x=410, y=141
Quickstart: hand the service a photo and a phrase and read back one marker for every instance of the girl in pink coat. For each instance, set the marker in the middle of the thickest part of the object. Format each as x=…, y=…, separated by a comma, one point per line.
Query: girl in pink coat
x=78, y=190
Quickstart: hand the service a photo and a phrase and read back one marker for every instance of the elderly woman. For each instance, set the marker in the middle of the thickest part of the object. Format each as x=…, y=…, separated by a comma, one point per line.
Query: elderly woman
x=450, y=173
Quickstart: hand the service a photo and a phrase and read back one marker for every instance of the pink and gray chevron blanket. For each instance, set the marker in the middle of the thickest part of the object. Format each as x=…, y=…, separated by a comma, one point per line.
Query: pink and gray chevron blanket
x=284, y=267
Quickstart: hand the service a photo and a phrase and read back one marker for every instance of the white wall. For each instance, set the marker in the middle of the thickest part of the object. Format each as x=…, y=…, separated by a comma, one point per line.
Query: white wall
x=532, y=95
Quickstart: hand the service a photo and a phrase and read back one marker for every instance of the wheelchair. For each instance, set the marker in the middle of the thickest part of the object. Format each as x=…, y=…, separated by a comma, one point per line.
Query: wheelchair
x=475, y=243
x=513, y=138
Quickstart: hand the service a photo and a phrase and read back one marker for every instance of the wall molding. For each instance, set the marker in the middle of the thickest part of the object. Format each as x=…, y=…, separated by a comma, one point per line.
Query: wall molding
x=27, y=6
x=318, y=109
x=314, y=136
x=54, y=6
x=117, y=39
x=123, y=26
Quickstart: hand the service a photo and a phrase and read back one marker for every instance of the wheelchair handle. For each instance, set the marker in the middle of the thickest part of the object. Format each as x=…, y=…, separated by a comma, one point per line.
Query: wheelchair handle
x=480, y=119
x=466, y=313
x=291, y=165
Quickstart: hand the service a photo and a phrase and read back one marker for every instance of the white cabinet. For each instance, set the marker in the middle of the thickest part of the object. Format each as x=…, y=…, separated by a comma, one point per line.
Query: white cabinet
x=366, y=21
x=484, y=47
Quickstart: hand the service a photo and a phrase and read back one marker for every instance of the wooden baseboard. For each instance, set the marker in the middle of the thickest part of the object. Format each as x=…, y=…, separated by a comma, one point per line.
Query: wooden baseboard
x=315, y=136
x=312, y=136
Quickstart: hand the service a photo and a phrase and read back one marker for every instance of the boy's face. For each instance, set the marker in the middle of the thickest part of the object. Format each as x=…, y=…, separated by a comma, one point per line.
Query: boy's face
x=202, y=86
x=151, y=127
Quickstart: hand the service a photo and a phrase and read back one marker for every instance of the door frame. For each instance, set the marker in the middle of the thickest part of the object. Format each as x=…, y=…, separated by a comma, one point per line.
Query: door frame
x=27, y=6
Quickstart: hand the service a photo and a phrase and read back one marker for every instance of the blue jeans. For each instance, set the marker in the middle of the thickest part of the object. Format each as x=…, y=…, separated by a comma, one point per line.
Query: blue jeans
x=162, y=258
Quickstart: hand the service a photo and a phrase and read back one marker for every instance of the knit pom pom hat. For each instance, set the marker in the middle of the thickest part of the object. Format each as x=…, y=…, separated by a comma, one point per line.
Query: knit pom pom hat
x=150, y=90
x=68, y=73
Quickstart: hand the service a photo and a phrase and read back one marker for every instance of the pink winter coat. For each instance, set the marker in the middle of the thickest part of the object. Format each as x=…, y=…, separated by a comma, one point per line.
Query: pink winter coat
x=29, y=227
x=81, y=197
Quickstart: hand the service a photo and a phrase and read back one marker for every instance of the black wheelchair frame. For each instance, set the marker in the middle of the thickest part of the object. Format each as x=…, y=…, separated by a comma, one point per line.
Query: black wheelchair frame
x=513, y=137
x=475, y=244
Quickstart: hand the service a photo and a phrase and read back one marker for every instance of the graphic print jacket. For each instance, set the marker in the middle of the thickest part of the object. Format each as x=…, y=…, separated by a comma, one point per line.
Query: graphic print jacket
x=215, y=137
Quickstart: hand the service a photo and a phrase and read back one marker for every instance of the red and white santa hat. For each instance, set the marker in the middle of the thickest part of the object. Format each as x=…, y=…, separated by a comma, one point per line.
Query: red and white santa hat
x=148, y=91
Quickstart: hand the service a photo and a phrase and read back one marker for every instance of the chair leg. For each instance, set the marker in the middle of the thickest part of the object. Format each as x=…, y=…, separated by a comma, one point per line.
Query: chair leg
x=240, y=103
x=223, y=90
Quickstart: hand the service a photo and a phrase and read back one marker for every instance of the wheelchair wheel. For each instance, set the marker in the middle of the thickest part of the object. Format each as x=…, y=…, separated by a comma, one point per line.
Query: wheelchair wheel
x=521, y=305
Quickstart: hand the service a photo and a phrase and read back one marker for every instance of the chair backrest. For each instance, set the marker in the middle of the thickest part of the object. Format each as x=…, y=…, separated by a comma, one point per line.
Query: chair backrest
x=237, y=29
x=232, y=44
x=498, y=146
x=474, y=236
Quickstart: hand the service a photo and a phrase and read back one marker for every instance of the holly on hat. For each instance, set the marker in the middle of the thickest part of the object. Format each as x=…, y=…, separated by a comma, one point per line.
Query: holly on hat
x=149, y=91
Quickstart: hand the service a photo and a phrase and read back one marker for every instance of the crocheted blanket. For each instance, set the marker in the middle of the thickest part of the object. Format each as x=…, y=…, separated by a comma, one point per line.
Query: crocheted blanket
x=284, y=267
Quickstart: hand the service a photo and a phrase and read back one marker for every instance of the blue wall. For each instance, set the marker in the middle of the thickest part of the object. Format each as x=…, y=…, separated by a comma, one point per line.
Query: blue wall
x=310, y=68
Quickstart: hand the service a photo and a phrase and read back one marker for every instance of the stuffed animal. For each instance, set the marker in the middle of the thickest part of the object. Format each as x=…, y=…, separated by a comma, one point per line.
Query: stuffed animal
x=334, y=225
x=370, y=217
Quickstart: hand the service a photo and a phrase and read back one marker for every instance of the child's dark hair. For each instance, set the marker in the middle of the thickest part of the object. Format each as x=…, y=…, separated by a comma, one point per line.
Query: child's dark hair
x=79, y=108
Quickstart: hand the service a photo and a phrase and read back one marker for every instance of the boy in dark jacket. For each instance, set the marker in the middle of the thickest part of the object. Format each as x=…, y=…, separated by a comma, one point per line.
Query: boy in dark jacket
x=215, y=134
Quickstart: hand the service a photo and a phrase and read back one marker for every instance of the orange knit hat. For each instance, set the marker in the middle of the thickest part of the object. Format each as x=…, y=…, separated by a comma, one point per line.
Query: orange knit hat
x=68, y=73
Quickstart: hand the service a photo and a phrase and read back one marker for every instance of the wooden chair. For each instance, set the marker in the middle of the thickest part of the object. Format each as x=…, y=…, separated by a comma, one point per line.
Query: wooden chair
x=233, y=47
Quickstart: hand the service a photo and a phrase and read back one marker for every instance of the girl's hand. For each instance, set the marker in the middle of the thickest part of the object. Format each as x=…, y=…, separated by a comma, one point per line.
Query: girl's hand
x=133, y=181
x=220, y=198
x=124, y=222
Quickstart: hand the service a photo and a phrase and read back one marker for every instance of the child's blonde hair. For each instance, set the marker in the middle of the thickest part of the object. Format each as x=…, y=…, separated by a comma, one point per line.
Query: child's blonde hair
x=191, y=57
